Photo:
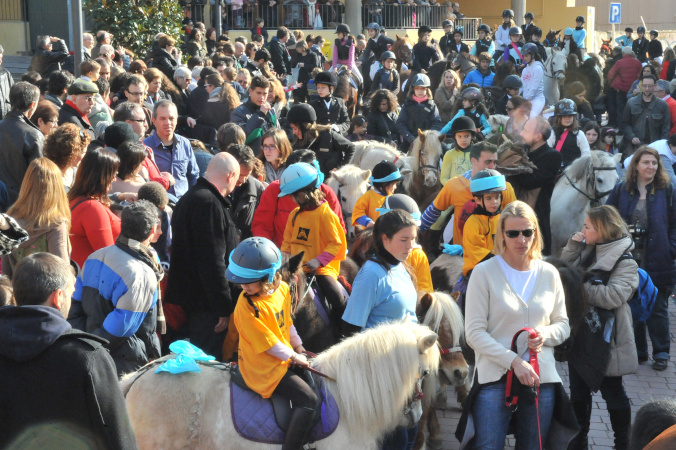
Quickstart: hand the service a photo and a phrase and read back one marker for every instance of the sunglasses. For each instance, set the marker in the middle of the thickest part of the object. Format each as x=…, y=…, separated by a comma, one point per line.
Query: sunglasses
x=528, y=232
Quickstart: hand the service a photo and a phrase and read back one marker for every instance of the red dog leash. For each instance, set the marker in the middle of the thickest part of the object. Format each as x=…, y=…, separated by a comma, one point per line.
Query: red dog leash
x=512, y=400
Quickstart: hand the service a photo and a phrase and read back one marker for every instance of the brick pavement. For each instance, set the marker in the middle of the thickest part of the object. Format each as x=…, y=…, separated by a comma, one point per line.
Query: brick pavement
x=645, y=385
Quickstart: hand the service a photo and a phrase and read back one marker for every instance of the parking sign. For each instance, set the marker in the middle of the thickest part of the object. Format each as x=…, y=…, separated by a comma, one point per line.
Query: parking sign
x=615, y=12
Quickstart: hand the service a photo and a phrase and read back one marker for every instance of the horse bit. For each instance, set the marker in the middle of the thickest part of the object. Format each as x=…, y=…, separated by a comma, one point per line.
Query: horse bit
x=597, y=195
x=422, y=167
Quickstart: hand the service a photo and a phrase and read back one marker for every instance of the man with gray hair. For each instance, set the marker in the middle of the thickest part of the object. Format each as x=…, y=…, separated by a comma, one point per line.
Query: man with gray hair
x=52, y=374
x=6, y=83
x=203, y=235
x=81, y=99
x=128, y=314
x=21, y=140
x=663, y=91
x=50, y=54
x=88, y=44
x=539, y=185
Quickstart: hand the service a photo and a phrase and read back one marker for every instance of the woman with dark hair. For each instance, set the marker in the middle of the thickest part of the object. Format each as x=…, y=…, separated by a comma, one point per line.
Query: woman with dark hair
x=592, y=132
x=155, y=81
x=332, y=149
x=66, y=147
x=222, y=101
x=385, y=290
x=612, y=277
x=211, y=41
x=635, y=89
x=131, y=154
x=577, y=93
x=275, y=149
x=167, y=57
x=646, y=203
x=93, y=224
x=518, y=110
x=567, y=137
x=382, y=117
x=194, y=47
x=46, y=117
x=137, y=67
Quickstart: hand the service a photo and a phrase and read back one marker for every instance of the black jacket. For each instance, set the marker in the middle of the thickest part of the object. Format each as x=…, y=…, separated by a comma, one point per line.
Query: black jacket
x=197, y=100
x=446, y=43
x=332, y=150
x=21, y=143
x=383, y=125
x=204, y=234
x=310, y=61
x=424, y=56
x=336, y=114
x=279, y=55
x=165, y=62
x=45, y=62
x=501, y=105
x=548, y=165
x=245, y=200
x=52, y=374
x=248, y=116
x=640, y=49
x=374, y=49
x=68, y=114
x=416, y=116
x=6, y=83
x=654, y=49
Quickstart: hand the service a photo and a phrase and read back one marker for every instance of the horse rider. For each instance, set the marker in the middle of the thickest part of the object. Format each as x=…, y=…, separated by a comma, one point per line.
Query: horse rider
x=640, y=45
x=502, y=34
x=269, y=344
x=532, y=78
x=484, y=44
x=528, y=27
x=330, y=110
x=446, y=42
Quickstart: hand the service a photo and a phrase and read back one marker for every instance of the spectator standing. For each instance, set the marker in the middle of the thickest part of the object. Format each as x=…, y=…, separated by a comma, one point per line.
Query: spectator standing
x=79, y=104
x=167, y=56
x=132, y=153
x=203, y=235
x=46, y=117
x=51, y=53
x=645, y=118
x=247, y=192
x=279, y=55
x=275, y=149
x=37, y=343
x=22, y=140
x=6, y=83
x=194, y=48
x=621, y=76
x=259, y=28
x=646, y=203
x=539, y=185
x=640, y=45
x=173, y=153
x=93, y=224
x=447, y=94
x=663, y=91
x=66, y=147
x=102, y=38
x=256, y=115
x=667, y=150
x=308, y=61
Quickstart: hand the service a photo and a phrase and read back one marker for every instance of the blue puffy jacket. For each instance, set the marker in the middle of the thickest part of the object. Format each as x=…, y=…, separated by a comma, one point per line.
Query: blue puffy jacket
x=479, y=78
x=660, y=251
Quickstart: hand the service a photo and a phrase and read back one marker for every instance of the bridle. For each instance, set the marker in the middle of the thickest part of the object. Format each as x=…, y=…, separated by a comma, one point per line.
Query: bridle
x=550, y=63
x=450, y=350
x=417, y=395
x=595, y=200
x=423, y=167
x=347, y=215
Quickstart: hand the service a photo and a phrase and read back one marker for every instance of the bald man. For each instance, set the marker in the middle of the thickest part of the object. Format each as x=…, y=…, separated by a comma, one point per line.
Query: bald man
x=204, y=234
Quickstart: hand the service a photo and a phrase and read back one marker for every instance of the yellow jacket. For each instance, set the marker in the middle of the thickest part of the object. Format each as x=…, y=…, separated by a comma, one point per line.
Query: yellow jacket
x=455, y=163
x=366, y=206
x=456, y=193
x=477, y=239
x=421, y=266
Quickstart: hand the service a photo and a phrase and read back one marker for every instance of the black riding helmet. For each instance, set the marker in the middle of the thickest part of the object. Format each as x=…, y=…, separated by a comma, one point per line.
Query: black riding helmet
x=343, y=28
x=537, y=31
x=403, y=202
x=424, y=29
x=580, y=19
x=529, y=15
x=508, y=13
x=485, y=28
x=472, y=93
x=565, y=107
x=384, y=173
x=515, y=31
x=512, y=82
x=253, y=254
x=530, y=49
x=301, y=113
x=463, y=123
x=327, y=78
x=654, y=33
x=640, y=29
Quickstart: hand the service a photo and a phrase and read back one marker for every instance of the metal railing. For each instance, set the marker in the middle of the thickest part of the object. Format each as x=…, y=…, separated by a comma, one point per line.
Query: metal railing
x=12, y=10
x=300, y=14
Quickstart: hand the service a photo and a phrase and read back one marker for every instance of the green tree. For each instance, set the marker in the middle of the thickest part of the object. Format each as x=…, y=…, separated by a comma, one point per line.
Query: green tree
x=134, y=23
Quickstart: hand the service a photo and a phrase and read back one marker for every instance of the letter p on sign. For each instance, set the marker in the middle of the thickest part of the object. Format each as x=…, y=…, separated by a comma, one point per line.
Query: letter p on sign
x=615, y=12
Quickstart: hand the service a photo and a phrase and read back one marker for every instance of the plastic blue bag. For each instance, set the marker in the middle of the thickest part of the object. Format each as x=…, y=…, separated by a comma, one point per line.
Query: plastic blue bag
x=453, y=249
x=187, y=349
x=179, y=364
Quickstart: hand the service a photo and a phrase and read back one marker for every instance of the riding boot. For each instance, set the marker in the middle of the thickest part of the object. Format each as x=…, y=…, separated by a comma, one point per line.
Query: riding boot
x=299, y=427
x=620, y=420
x=583, y=414
x=433, y=243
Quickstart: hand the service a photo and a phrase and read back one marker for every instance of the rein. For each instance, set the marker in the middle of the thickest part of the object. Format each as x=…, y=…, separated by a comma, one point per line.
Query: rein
x=597, y=195
x=423, y=167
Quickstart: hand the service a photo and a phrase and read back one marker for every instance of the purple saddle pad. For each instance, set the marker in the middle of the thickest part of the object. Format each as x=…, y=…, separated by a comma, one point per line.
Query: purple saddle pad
x=254, y=417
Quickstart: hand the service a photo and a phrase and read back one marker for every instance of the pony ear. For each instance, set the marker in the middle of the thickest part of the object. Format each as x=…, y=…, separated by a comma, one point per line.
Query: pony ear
x=424, y=305
x=295, y=262
x=366, y=175
x=442, y=137
x=398, y=37
x=421, y=135
x=426, y=342
x=617, y=158
x=336, y=177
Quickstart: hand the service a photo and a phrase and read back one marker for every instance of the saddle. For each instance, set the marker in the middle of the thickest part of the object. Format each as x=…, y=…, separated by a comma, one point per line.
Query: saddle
x=266, y=420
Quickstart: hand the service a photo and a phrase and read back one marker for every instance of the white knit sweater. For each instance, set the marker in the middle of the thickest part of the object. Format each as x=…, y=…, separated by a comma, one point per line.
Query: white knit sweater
x=494, y=313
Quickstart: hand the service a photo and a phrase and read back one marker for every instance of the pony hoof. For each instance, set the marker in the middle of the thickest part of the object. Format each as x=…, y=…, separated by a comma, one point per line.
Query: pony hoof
x=434, y=444
x=440, y=403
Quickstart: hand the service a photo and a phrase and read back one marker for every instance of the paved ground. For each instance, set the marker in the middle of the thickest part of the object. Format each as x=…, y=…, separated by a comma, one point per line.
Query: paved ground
x=641, y=387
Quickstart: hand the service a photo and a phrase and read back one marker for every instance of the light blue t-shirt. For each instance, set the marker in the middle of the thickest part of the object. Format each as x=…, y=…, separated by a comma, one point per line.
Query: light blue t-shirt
x=379, y=296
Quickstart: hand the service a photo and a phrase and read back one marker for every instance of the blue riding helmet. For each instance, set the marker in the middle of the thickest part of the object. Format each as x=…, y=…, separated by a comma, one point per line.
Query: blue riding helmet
x=253, y=260
x=299, y=176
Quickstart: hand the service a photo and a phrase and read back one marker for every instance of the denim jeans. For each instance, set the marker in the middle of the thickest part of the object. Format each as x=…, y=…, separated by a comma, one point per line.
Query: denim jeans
x=400, y=439
x=611, y=389
x=658, y=327
x=492, y=417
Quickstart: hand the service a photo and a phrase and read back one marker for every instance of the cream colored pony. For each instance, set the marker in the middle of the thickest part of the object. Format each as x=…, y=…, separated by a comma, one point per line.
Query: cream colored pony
x=376, y=373
x=349, y=183
x=369, y=153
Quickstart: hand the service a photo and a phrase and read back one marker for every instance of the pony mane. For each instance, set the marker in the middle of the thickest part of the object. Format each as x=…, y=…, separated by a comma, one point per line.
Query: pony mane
x=361, y=148
x=579, y=169
x=432, y=150
x=350, y=174
x=444, y=306
x=376, y=371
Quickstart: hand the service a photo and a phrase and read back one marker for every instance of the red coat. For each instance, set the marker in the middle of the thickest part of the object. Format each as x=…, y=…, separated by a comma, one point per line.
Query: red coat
x=624, y=72
x=93, y=226
x=270, y=218
x=672, y=110
x=154, y=171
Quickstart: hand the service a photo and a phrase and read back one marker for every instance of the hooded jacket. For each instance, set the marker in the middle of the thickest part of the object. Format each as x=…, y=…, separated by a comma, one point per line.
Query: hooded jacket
x=614, y=296
x=52, y=374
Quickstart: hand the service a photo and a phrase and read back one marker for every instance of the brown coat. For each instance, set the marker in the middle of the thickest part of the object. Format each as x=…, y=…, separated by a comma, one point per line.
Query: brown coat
x=613, y=296
x=445, y=101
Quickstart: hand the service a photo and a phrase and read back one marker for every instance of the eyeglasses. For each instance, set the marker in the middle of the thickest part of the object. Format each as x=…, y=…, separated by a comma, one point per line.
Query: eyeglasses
x=528, y=232
x=138, y=120
x=207, y=85
x=508, y=109
x=135, y=94
x=269, y=147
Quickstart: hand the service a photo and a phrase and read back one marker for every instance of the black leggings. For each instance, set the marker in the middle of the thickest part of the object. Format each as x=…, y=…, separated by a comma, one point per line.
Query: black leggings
x=296, y=390
x=332, y=291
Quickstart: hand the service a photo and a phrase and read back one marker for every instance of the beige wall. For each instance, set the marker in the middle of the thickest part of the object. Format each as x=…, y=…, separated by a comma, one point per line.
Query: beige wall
x=13, y=36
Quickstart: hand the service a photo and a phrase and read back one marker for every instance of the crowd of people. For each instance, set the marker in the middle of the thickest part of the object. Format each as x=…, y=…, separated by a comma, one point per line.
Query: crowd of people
x=154, y=198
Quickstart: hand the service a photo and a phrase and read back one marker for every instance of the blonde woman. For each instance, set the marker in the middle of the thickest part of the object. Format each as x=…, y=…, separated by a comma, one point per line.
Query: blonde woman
x=42, y=210
x=519, y=290
x=447, y=94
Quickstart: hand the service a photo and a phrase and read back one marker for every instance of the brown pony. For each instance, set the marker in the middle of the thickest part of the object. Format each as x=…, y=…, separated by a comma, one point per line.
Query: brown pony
x=424, y=184
x=345, y=89
x=403, y=50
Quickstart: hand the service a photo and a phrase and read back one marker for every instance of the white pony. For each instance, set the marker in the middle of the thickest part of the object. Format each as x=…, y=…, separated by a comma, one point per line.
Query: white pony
x=375, y=371
x=555, y=74
x=369, y=153
x=585, y=183
x=349, y=183
x=497, y=123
